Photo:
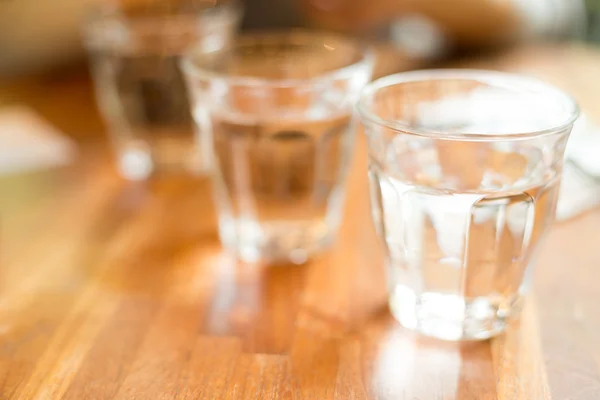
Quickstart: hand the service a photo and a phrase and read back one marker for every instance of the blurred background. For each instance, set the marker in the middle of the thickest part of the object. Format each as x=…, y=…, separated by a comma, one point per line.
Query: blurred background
x=43, y=63
x=37, y=36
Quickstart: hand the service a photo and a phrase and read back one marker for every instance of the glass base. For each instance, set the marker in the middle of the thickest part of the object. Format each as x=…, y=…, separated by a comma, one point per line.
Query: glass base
x=450, y=316
x=138, y=161
x=279, y=242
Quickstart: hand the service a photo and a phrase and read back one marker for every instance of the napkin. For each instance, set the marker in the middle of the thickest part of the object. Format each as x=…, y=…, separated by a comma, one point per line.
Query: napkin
x=580, y=185
x=28, y=142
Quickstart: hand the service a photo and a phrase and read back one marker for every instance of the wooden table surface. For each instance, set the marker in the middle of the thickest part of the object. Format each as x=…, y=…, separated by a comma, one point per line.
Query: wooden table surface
x=115, y=290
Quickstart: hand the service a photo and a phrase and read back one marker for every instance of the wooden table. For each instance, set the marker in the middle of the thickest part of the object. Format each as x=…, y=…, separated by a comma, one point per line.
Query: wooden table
x=110, y=289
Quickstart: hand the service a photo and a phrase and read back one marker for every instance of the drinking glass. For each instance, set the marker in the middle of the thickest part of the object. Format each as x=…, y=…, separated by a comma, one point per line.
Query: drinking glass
x=134, y=56
x=280, y=109
x=464, y=171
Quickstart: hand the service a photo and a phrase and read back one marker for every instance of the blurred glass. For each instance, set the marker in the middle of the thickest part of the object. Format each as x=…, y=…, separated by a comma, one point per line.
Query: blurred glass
x=465, y=169
x=280, y=108
x=135, y=52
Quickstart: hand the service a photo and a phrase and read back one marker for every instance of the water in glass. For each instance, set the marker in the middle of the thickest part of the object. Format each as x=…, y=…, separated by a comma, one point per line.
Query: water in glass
x=460, y=240
x=281, y=182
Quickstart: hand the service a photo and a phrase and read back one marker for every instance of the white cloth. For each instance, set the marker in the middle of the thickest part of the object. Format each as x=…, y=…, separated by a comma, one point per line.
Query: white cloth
x=580, y=186
x=27, y=142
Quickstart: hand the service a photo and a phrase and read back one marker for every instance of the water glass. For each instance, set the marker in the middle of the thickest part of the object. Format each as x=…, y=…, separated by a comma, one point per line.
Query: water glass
x=280, y=109
x=464, y=171
x=134, y=56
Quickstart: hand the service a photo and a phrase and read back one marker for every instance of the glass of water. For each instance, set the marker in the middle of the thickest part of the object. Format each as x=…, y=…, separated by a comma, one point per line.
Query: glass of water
x=280, y=109
x=464, y=171
x=134, y=55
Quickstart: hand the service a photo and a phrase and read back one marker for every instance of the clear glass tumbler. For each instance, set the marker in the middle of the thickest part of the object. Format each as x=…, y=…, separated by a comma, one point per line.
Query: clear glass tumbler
x=464, y=169
x=135, y=48
x=280, y=108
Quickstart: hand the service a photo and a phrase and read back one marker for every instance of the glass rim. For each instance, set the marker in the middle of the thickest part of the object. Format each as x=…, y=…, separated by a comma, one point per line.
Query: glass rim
x=367, y=58
x=506, y=80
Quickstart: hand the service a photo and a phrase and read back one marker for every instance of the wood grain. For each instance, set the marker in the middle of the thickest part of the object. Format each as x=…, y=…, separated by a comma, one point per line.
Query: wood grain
x=114, y=290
